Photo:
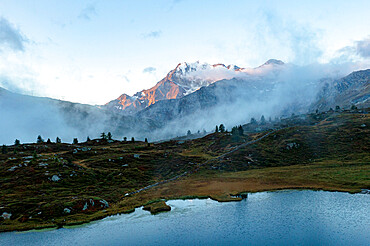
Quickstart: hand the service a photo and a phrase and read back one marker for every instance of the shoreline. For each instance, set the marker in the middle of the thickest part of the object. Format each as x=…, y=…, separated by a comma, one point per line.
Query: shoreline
x=212, y=197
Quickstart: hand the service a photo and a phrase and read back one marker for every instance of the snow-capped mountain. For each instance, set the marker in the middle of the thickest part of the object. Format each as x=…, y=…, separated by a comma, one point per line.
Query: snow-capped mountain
x=185, y=79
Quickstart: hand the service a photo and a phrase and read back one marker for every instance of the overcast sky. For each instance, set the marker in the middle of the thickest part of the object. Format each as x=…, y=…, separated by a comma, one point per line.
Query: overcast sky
x=93, y=51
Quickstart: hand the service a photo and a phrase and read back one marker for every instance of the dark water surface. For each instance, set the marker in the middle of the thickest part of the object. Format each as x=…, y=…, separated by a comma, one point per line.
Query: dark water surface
x=265, y=218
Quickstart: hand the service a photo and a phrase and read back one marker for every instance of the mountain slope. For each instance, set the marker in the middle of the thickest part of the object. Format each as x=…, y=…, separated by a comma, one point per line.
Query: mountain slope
x=183, y=80
x=353, y=89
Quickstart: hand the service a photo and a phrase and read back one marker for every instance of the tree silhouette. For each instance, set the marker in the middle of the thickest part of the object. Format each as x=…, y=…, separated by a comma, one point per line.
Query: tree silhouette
x=48, y=141
x=4, y=149
x=75, y=141
x=125, y=139
x=58, y=140
x=17, y=142
x=103, y=136
x=222, y=128
x=216, y=129
x=240, y=130
x=253, y=121
x=146, y=140
x=188, y=133
x=132, y=139
x=39, y=139
x=109, y=136
x=88, y=139
x=263, y=120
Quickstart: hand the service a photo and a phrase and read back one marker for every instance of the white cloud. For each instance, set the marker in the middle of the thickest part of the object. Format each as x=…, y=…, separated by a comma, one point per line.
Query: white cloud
x=10, y=36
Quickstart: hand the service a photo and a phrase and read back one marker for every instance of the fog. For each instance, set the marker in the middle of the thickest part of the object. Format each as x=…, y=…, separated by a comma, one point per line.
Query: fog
x=280, y=90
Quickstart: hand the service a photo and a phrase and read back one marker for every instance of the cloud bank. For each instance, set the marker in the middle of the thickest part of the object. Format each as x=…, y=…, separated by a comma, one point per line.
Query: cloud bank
x=10, y=37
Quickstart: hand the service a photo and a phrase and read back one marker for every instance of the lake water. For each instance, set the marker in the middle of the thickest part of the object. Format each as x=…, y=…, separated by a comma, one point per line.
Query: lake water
x=264, y=218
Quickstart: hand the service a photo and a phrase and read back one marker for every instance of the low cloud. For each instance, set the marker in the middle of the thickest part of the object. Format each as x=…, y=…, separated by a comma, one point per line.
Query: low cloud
x=10, y=36
x=88, y=12
x=363, y=47
x=149, y=70
x=154, y=34
x=358, y=50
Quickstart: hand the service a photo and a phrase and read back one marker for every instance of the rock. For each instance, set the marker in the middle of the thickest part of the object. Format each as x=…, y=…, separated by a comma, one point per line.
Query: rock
x=157, y=207
x=363, y=125
x=292, y=145
x=12, y=168
x=55, y=178
x=6, y=215
x=105, y=203
x=67, y=211
x=136, y=156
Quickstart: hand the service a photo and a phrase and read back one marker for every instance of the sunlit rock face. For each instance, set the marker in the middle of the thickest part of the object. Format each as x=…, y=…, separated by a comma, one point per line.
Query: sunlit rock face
x=185, y=79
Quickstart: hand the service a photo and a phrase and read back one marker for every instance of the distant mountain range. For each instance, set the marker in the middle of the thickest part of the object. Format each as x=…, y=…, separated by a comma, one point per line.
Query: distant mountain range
x=192, y=96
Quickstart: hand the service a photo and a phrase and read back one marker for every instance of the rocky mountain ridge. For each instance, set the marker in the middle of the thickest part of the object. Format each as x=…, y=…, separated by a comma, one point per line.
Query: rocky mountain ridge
x=184, y=79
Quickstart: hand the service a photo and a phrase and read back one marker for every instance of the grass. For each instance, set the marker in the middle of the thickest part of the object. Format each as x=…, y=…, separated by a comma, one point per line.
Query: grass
x=327, y=151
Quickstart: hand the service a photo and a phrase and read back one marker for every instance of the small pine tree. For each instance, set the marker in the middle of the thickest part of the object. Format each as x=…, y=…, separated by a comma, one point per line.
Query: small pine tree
x=39, y=139
x=58, y=140
x=337, y=108
x=88, y=139
x=103, y=136
x=317, y=111
x=75, y=141
x=234, y=131
x=48, y=141
x=188, y=133
x=222, y=128
x=132, y=139
x=17, y=142
x=125, y=139
x=216, y=129
x=263, y=120
x=146, y=140
x=109, y=136
x=253, y=121
x=240, y=130
x=4, y=149
x=353, y=107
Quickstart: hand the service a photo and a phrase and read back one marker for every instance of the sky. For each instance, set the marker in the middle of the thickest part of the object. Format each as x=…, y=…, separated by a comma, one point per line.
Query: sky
x=93, y=51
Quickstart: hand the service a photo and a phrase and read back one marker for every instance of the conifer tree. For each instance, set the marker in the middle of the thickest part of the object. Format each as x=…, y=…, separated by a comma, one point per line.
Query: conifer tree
x=188, y=133
x=222, y=128
x=17, y=142
x=125, y=139
x=75, y=141
x=103, y=136
x=4, y=149
x=253, y=121
x=58, y=140
x=216, y=129
x=132, y=139
x=109, y=136
x=39, y=139
x=146, y=140
x=48, y=141
x=263, y=120
x=88, y=139
x=240, y=130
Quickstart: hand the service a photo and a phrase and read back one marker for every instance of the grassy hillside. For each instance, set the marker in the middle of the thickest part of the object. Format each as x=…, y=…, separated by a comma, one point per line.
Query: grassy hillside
x=49, y=185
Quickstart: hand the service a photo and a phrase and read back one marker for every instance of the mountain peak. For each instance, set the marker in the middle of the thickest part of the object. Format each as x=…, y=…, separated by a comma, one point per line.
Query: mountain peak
x=273, y=62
